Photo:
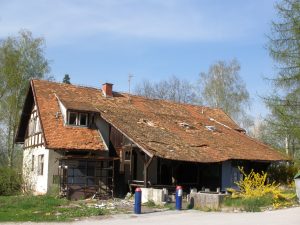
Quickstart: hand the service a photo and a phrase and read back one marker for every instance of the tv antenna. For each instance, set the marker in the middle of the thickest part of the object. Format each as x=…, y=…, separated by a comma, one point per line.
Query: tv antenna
x=130, y=76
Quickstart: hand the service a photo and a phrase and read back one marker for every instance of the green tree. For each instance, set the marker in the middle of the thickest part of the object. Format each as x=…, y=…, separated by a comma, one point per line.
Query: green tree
x=67, y=79
x=284, y=48
x=222, y=87
x=21, y=59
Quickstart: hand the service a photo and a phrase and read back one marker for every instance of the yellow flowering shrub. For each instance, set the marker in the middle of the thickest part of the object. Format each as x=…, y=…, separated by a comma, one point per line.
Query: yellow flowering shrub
x=255, y=185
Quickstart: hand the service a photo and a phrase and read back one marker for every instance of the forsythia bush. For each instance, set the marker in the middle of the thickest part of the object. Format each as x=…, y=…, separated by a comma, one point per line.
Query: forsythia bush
x=255, y=185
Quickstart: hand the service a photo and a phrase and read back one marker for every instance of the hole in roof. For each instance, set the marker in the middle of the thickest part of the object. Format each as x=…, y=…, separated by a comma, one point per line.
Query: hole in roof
x=147, y=122
x=199, y=146
x=211, y=128
x=185, y=125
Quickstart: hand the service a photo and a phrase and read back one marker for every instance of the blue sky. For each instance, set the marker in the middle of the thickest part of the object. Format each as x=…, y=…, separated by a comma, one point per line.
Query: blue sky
x=98, y=41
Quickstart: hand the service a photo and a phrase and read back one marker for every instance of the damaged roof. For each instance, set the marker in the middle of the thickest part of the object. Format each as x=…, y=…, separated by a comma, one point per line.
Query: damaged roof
x=161, y=128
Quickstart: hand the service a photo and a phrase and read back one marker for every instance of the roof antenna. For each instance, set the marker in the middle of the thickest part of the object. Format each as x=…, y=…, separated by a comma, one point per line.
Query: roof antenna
x=130, y=76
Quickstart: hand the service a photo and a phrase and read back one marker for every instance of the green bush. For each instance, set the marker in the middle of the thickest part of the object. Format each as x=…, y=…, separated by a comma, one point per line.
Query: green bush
x=10, y=181
x=282, y=173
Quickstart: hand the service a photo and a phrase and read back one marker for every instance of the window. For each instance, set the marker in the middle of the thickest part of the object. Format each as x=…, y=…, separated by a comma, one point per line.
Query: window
x=32, y=163
x=78, y=119
x=38, y=126
x=34, y=125
x=31, y=128
x=40, y=164
x=73, y=118
x=83, y=119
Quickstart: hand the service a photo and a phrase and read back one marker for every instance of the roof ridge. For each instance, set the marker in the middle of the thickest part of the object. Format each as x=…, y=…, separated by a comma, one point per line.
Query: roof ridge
x=200, y=107
x=172, y=101
x=64, y=84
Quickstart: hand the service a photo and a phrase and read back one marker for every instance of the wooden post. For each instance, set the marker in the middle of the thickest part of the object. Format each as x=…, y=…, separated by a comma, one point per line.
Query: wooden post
x=146, y=165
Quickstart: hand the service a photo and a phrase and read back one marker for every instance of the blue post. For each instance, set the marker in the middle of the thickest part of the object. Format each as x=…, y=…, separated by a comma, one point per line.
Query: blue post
x=178, y=198
x=137, y=201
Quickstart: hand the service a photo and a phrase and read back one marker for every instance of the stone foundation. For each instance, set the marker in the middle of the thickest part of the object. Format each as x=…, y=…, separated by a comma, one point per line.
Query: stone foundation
x=158, y=196
x=205, y=200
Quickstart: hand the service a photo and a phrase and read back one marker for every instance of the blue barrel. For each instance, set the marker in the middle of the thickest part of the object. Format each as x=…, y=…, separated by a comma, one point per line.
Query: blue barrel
x=137, y=201
x=178, y=198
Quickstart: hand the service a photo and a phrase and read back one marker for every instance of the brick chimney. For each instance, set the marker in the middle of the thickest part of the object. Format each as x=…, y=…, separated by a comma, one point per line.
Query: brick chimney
x=107, y=90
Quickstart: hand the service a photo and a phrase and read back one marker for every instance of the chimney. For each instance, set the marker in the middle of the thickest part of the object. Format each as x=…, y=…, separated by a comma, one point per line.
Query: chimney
x=107, y=90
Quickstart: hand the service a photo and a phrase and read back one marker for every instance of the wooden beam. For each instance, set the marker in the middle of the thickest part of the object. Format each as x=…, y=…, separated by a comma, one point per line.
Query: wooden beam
x=146, y=165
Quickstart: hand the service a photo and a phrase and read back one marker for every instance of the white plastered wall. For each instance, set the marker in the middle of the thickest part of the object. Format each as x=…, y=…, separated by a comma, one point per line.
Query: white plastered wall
x=103, y=128
x=63, y=110
x=39, y=184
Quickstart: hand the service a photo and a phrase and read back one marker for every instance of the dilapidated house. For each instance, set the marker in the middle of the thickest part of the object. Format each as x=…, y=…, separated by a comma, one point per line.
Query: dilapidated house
x=96, y=141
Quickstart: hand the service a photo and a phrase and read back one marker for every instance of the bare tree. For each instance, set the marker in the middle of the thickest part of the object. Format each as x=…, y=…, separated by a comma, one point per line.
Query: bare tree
x=172, y=89
x=222, y=87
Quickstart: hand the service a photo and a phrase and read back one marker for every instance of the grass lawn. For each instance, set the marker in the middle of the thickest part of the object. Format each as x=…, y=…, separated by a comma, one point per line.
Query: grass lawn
x=43, y=208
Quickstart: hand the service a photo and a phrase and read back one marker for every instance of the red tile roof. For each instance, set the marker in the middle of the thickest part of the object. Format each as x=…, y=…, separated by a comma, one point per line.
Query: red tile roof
x=162, y=128
x=57, y=135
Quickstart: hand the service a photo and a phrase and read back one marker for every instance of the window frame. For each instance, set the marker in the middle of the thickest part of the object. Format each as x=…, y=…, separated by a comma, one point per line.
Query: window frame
x=41, y=163
x=69, y=116
x=78, y=119
x=86, y=119
x=32, y=162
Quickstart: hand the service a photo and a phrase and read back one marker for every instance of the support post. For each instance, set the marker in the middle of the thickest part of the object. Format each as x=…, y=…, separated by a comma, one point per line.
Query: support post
x=146, y=165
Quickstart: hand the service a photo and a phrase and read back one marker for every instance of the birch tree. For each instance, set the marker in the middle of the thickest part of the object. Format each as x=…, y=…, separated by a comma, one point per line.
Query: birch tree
x=222, y=87
x=21, y=59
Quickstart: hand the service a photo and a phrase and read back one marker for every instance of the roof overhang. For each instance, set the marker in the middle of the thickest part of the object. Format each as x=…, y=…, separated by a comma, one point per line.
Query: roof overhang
x=25, y=116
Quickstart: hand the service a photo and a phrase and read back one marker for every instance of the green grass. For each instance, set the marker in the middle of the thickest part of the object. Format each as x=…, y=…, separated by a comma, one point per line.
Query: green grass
x=249, y=204
x=43, y=208
x=256, y=204
x=150, y=204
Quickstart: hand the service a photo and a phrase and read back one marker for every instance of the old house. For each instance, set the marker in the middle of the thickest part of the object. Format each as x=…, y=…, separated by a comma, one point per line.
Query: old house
x=91, y=140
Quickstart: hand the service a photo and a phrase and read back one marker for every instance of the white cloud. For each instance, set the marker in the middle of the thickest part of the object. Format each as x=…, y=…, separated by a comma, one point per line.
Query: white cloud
x=64, y=20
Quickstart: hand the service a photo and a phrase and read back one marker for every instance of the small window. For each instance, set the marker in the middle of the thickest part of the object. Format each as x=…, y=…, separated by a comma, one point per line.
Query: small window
x=38, y=126
x=83, y=119
x=127, y=155
x=31, y=128
x=73, y=118
x=78, y=119
x=40, y=164
x=32, y=163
